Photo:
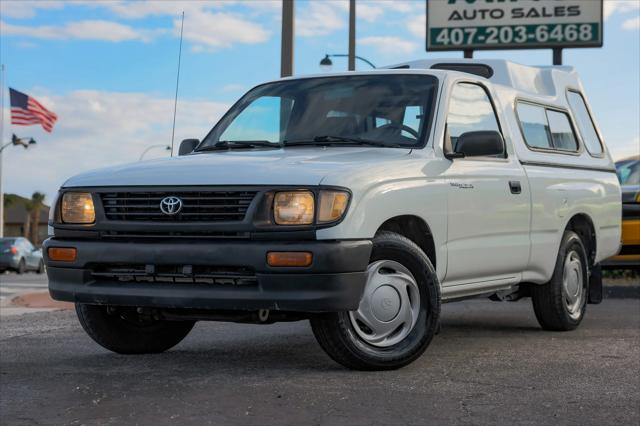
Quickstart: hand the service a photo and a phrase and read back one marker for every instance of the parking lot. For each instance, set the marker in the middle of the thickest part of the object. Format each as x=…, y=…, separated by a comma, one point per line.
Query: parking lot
x=490, y=364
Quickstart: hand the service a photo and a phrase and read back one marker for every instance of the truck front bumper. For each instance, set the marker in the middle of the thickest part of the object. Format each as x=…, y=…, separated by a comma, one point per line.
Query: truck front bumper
x=216, y=275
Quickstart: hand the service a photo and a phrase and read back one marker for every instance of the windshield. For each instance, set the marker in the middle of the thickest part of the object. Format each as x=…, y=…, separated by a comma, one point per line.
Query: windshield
x=385, y=110
x=628, y=172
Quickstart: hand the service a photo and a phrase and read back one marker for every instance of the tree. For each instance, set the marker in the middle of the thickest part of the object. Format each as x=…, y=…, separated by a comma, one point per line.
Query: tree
x=34, y=206
x=8, y=201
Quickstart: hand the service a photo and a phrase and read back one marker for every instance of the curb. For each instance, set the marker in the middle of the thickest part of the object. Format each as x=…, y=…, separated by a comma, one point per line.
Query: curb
x=38, y=300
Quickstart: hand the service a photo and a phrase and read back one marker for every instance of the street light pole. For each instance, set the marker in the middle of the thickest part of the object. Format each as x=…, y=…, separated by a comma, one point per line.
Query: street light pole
x=2, y=148
x=352, y=35
x=326, y=63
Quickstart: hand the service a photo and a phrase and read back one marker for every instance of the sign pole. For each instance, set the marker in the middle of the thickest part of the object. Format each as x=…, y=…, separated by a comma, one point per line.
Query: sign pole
x=557, y=56
x=286, y=50
x=468, y=53
x=352, y=35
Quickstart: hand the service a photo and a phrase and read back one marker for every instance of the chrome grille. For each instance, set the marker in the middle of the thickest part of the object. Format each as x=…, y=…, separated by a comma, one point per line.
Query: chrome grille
x=198, y=206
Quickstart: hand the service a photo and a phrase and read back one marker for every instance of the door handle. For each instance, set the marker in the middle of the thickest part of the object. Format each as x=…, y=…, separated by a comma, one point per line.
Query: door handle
x=515, y=187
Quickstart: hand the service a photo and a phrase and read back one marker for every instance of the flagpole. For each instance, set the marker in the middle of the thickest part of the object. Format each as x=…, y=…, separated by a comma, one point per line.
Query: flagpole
x=175, y=101
x=1, y=148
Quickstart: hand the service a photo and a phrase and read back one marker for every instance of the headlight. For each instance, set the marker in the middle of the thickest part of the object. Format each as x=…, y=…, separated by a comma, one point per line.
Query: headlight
x=77, y=207
x=332, y=205
x=293, y=208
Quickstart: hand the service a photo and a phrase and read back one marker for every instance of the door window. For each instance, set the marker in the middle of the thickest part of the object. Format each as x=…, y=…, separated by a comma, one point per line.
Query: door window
x=470, y=110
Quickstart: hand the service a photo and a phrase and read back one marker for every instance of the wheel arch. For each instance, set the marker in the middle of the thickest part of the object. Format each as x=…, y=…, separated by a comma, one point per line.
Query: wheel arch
x=582, y=224
x=416, y=229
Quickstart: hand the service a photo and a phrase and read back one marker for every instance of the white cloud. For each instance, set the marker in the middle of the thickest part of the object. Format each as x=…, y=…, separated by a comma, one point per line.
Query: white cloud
x=417, y=25
x=619, y=6
x=405, y=6
x=389, y=45
x=27, y=9
x=631, y=24
x=369, y=12
x=209, y=30
x=320, y=18
x=206, y=26
x=624, y=7
x=142, y=9
x=82, y=30
x=96, y=129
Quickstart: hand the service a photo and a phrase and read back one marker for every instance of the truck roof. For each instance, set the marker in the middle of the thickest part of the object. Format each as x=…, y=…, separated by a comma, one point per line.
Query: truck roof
x=537, y=80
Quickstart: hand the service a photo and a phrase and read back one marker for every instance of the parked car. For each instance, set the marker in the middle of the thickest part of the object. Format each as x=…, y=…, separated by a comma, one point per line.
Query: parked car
x=360, y=201
x=18, y=254
x=629, y=176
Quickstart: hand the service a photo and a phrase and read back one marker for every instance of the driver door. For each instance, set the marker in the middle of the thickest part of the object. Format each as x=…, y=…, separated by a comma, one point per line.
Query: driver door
x=488, y=199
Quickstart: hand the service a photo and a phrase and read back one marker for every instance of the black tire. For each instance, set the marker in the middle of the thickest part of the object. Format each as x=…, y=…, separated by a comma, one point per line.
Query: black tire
x=40, y=269
x=22, y=267
x=336, y=334
x=121, y=330
x=550, y=302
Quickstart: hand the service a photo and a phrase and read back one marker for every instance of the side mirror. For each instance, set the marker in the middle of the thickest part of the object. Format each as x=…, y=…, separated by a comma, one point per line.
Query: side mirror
x=187, y=146
x=479, y=144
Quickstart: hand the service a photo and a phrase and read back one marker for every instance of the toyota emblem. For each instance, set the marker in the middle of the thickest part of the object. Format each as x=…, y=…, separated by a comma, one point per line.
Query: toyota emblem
x=171, y=205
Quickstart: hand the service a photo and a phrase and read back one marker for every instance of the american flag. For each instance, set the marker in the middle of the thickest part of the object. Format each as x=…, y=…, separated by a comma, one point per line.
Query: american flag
x=25, y=111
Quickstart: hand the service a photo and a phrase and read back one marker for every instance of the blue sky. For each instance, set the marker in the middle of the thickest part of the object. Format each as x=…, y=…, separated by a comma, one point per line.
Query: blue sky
x=108, y=69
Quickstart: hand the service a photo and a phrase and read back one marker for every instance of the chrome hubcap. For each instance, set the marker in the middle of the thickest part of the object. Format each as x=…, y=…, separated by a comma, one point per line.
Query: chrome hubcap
x=573, y=285
x=390, y=304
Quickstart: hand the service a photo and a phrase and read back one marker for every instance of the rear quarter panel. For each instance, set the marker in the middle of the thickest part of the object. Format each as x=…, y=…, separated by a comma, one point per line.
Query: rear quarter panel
x=557, y=195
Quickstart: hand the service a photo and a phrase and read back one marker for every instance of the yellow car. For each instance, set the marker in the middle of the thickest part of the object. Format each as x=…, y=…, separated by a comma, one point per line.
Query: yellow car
x=629, y=176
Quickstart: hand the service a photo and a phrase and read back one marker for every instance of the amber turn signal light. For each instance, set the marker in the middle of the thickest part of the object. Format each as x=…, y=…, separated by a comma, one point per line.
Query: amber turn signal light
x=289, y=258
x=62, y=254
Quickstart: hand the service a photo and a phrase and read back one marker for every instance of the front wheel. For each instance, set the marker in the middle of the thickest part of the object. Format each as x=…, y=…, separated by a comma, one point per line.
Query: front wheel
x=124, y=331
x=398, y=313
x=560, y=304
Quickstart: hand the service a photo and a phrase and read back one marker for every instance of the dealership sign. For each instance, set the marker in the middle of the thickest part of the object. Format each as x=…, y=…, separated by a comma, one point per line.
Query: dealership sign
x=513, y=24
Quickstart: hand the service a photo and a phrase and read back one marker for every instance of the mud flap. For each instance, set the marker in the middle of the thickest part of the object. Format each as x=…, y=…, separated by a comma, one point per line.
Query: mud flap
x=595, y=285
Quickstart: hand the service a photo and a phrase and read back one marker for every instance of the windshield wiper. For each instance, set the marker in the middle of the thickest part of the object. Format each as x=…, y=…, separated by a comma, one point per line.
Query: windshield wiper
x=326, y=140
x=221, y=145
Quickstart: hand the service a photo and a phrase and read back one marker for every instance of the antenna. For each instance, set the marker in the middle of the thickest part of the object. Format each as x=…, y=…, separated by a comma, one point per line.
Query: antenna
x=175, y=102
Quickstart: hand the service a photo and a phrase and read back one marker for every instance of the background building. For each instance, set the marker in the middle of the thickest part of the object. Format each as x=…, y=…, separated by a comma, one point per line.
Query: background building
x=25, y=218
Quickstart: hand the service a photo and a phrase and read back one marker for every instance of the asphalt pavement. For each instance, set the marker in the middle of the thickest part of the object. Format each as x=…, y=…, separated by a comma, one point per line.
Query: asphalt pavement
x=491, y=364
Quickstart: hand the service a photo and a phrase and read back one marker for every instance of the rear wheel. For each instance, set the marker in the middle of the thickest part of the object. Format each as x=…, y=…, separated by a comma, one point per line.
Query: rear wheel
x=41, y=267
x=560, y=304
x=398, y=313
x=124, y=331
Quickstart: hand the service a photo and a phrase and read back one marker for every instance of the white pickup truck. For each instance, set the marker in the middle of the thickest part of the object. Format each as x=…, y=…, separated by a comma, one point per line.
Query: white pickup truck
x=360, y=201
